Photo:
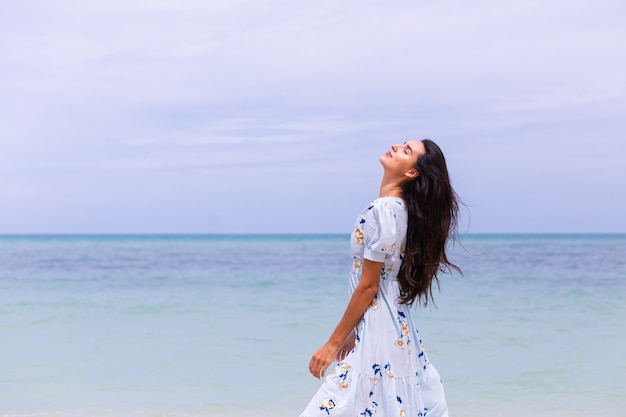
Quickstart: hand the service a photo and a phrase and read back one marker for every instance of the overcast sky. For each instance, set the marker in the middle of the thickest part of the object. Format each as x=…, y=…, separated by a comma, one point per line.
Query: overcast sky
x=226, y=116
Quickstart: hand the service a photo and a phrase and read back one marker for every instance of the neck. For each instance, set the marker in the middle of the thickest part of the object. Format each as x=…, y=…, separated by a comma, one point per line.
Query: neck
x=390, y=188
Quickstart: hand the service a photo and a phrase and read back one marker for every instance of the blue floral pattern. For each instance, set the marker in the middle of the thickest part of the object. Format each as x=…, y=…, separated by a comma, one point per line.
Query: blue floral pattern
x=388, y=372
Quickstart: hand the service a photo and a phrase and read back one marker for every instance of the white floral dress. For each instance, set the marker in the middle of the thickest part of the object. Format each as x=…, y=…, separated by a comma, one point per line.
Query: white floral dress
x=388, y=372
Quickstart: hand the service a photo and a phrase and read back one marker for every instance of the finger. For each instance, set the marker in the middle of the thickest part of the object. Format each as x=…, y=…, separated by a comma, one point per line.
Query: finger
x=316, y=369
x=312, y=368
x=322, y=372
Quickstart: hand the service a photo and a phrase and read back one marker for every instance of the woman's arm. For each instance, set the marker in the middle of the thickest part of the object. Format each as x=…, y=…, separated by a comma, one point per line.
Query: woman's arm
x=346, y=347
x=361, y=298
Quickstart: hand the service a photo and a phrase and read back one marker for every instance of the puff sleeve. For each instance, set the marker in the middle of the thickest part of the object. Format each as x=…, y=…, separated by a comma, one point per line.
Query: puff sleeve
x=380, y=231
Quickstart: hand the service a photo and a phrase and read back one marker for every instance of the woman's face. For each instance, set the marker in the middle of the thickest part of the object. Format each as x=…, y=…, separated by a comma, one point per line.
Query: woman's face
x=401, y=159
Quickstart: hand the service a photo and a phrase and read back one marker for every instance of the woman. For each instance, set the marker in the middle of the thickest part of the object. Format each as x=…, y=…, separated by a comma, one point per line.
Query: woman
x=399, y=246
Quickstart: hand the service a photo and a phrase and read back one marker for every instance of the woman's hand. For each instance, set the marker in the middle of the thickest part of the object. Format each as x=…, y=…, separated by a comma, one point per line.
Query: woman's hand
x=321, y=359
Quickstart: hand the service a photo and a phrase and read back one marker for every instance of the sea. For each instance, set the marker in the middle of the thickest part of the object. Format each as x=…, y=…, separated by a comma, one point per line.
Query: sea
x=224, y=325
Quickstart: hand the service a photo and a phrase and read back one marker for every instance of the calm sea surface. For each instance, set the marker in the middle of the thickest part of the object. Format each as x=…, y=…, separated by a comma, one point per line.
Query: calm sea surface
x=206, y=326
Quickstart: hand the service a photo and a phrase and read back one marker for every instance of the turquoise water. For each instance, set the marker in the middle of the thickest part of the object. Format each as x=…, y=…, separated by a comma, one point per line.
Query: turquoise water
x=224, y=325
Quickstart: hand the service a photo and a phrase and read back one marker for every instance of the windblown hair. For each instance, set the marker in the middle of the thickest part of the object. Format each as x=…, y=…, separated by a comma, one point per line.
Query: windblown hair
x=433, y=211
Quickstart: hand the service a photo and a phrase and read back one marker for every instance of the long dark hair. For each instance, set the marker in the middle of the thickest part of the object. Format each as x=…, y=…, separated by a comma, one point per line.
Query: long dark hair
x=433, y=212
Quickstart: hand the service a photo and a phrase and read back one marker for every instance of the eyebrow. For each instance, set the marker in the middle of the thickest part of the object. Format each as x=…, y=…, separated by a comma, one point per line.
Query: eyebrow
x=408, y=146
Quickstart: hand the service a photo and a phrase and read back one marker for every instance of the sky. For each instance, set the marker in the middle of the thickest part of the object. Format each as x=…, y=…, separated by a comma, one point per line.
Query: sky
x=229, y=116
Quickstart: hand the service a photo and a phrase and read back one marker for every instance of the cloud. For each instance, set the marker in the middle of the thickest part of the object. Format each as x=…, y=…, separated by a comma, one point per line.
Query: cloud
x=114, y=93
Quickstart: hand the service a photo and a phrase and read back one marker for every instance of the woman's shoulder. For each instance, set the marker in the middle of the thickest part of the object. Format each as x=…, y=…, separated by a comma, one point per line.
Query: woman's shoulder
x=388, y=202
x=384, y=208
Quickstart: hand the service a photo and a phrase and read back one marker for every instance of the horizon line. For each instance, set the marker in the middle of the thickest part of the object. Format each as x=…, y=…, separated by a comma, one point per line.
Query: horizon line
x=191, y=234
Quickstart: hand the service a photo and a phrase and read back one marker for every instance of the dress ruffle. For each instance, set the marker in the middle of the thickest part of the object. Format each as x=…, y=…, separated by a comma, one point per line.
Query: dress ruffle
x=348, y=392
